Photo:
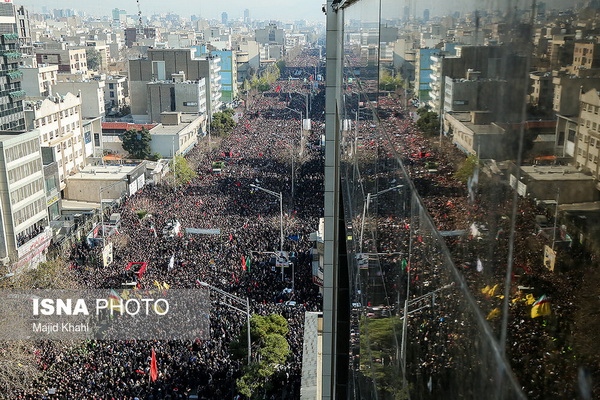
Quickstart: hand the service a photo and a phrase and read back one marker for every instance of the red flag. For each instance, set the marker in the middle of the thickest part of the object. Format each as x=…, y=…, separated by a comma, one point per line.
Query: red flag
x=153, y=367
x=230, y=237
x=243, y=262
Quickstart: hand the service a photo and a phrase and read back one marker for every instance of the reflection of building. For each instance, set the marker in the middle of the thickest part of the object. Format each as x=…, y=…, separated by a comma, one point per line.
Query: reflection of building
x=587, y=146
x=24, y=220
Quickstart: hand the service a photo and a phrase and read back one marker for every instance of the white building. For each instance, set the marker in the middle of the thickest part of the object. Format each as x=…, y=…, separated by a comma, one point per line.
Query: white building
x=58, y=121
x=91, y=92
x=25, y=234
x=38, y=81
x=115, y=93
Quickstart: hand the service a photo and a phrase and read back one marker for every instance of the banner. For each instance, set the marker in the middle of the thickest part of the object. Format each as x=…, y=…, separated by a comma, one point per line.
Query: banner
x=549, y=258
x=107, y=255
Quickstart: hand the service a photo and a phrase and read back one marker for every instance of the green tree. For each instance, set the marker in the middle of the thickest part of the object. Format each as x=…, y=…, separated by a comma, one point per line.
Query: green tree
x=93, y=58
x=428, y=122
x=137, y=143
x=222, y=123
x=466, y=169
x=52, y=274
x=183, y=171
x=270, y=350
x=379, y=340
x=388, y=82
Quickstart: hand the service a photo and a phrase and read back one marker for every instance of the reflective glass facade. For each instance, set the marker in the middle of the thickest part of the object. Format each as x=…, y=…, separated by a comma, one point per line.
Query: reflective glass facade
x=452, y=234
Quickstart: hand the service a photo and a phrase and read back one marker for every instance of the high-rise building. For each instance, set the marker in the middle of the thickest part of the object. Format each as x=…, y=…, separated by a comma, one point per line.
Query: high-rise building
x=246, y=16
x=224, y=18
x=426, y=15
x=11, y=94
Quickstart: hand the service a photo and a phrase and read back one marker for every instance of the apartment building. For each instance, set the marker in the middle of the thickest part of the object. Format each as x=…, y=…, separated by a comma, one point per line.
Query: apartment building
x=38, y=81
x=91, y=92
x=587, y=146
x=69, y=60
x=59, y=123
x=12, y=117
x=24, y=233
x=177, y=95
x=115, y=93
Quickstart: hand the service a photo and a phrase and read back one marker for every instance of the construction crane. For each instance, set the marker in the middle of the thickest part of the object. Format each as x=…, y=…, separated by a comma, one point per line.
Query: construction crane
x=140, y=25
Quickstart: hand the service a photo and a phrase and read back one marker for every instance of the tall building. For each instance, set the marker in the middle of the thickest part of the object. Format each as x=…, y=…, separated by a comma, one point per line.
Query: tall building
x=426, y=15
x=24, y=231
x=12, y=117
x=162, y=64
x=228, y=73
x=587, y=145
x=224, y=18
x=246, y=16
x=58, y=121
x=178, y=95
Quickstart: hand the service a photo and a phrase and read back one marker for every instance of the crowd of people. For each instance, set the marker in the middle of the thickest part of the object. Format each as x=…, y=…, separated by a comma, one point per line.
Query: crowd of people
x=257, y=153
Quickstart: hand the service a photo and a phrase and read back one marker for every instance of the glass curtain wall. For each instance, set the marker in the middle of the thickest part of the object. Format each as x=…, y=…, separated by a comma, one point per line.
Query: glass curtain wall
x=450, y=227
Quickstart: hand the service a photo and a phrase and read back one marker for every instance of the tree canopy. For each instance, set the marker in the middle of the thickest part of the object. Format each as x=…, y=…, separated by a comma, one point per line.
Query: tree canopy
x=137, y=143
x=184, y=173
x=270, y=350
x=222, y=123
x=93, y=58
x=428, y=122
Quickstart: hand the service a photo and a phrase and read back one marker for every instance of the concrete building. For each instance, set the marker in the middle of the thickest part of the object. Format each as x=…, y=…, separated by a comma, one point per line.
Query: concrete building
x=541, y=92
x=248, y=59
x=176, y=134
x=270, y=35
x=132, y=36
x=587, y=146
x=586, y=55
x=567, y=89
x=92, y=183
x=423, y=72
x=51, y=183
x=474, y=133
x=472, y=94
x=11, y=96
x=69, y=60
x=178, y=95
x=161, y=64
x=24, y=30
x=542, y=183
x=109, y=141
x=25, y=234
x=115, y=93
x=229, y=78
x=38, y=81
x=58, y=121
x=91, y=92
x=92, y=136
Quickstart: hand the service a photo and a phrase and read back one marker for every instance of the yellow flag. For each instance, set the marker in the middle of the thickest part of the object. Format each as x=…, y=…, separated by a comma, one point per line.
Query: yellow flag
x=495, y=313
x=166, y=286
x=529, y=299
x=492, y=291
x=125, y=294
x=486, y=289
x=158, y=285
x=541, y=307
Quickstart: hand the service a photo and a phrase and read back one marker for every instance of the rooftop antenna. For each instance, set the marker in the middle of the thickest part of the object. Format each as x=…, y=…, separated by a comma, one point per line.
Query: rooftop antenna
x=140, y=26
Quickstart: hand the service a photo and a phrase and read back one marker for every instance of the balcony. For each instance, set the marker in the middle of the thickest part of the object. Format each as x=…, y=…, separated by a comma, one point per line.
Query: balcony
x=12, y=56
x=14, y=75
x=9, y=38
x=17, y=94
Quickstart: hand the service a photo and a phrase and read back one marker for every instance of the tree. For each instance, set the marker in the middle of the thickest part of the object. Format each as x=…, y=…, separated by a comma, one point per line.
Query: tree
x=93, y=59
x=388, y=82
x=222, y=123
x=428, y=122
x=270, y=349
x=52, y=274
x=466, y=169
x=183, y=172
x=137, y=143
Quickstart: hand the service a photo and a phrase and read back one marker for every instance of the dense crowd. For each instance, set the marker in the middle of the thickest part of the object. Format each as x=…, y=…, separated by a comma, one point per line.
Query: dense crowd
x=257, y=152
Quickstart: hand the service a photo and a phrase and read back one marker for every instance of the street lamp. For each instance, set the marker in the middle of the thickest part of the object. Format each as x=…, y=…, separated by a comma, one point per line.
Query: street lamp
x=366, y=209
x=100, y=190
x=293, y=163
x=280, y=197
x=240, y=300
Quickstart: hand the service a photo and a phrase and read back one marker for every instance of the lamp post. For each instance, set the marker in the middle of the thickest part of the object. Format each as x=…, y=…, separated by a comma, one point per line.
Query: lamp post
x=280, y=197
x=366, y=209
x=240, y=300
x=100, y=190
x=293, y=163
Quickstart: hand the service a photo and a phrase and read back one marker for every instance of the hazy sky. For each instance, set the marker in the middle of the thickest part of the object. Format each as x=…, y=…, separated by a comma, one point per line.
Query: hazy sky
x=284, y=10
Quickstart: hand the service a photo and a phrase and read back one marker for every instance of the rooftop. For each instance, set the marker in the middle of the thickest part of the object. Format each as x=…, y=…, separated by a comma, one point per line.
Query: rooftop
x=555, y=173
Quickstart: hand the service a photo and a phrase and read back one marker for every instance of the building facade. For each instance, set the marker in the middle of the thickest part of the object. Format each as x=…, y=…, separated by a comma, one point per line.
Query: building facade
x=59, y=123
x=587, y=145
x=38, y=81
x=179, y=96
x=25, y=234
